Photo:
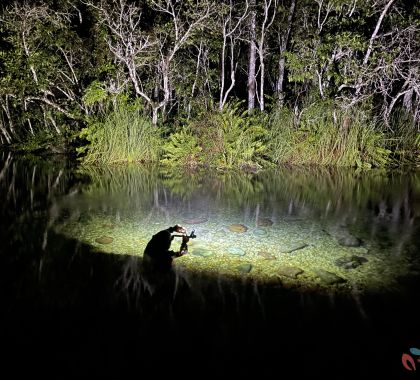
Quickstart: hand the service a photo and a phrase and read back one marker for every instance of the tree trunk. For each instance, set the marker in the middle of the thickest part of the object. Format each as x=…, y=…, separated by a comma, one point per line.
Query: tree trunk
x=155, y=115
x=252, y=58
x=283, y=47
x=166, y=87
x=280, y=79
x=222, y=71
x=262, y=70
x=375, y=32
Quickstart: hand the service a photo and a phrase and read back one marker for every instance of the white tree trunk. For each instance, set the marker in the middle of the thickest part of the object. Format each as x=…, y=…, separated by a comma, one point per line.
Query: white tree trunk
x=252, y=58
x=284, y=40
x=375, y=32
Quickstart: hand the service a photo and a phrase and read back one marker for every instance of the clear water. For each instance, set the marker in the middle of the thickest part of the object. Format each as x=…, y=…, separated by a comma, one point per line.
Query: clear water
x=307, y=229
x=294, y=272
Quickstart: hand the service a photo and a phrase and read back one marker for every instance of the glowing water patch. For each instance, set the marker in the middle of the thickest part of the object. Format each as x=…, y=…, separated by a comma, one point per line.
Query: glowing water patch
x=298, y=254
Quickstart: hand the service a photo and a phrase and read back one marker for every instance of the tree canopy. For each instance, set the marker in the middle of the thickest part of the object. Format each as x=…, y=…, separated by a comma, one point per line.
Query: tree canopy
x=62, y=62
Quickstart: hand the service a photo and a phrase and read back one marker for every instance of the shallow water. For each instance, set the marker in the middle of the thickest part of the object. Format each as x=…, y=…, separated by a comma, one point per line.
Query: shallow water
x=306, y=229
x=291, y=266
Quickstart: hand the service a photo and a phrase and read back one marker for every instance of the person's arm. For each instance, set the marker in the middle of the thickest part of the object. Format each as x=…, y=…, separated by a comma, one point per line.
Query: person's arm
x=184, y=246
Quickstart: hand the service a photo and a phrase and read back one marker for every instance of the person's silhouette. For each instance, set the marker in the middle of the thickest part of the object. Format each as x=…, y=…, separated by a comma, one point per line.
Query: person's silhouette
x=158, y=253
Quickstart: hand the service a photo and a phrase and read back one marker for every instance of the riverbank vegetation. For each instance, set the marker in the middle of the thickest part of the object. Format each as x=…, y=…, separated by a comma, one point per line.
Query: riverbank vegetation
x=222, y=84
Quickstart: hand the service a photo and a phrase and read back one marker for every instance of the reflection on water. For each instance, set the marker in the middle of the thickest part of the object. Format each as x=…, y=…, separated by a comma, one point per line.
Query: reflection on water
x=269, y=247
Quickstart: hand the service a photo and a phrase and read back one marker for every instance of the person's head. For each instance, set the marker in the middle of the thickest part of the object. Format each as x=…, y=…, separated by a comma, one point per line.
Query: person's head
x=180, y=229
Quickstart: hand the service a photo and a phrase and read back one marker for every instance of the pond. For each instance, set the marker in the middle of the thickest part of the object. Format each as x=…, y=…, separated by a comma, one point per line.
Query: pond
x=294, y=270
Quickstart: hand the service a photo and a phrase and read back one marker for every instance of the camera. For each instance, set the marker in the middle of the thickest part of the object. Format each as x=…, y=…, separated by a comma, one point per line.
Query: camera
x=192, y=235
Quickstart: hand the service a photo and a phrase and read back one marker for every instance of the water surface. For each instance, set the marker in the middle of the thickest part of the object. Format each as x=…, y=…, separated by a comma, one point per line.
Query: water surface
x=295, y=271
x=302, y=228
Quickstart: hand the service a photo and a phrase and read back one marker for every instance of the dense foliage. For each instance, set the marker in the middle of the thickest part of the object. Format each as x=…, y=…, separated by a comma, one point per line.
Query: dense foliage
x=213, y=83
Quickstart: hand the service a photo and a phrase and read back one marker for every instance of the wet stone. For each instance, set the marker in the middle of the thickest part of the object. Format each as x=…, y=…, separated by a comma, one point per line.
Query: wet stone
x=108, y=225
x=264, y=222
x=239, y=228
x=343, y=236
x=349, y=241
x=104, y=240
x=244, y=268
x=198, y=220
x=294, y=247
x=359, y=259
x=259, y=232
x=267, y=255
x=350, y=262
x=236, y=251
x=291, y=272
x=202, y=252
x=328, y=277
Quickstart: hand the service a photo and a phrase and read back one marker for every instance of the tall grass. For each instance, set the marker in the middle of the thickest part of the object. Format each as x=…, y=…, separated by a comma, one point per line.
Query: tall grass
x=325, y=135
x=404, y=138
x=122, y=135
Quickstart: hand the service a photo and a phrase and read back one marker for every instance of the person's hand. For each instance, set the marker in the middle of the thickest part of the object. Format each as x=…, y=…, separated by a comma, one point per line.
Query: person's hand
x=182, y=252
x=185, y=239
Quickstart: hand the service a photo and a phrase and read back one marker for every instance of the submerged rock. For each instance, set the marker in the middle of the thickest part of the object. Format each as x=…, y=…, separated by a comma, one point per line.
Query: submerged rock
x=349, y=241
x=239, y=228
x=198, y=220
x=267, y=255
x=104, y=240
x=259, y=232
x=264, y=222
x=245, y=268
x=350, y=262
x=203, y=252
x=294, y=247
x=343, y=236
x=236, y=251
x=109, y=225
x=328, y=277
x=291, y=272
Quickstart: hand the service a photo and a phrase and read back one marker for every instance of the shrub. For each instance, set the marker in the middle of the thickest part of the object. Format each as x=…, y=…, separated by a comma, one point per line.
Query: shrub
x=222, y=140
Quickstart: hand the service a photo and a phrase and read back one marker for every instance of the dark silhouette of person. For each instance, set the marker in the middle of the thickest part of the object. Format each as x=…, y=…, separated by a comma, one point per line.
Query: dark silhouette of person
x=158, y=254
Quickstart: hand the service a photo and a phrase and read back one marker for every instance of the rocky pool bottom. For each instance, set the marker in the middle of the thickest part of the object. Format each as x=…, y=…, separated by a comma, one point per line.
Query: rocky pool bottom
x=290, y=252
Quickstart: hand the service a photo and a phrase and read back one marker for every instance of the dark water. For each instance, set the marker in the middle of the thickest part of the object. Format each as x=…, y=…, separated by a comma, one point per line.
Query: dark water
x=69, y=310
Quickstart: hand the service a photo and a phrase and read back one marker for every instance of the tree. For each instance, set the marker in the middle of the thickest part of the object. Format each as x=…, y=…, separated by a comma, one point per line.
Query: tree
x=283, y=37
x=232, y=21
x=252, y=85
x=269, y=6
x=43, y=62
